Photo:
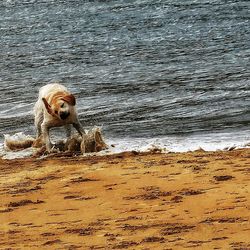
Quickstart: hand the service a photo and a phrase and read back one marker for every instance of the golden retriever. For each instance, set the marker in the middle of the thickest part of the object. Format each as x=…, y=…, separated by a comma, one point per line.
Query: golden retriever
x=55, y=107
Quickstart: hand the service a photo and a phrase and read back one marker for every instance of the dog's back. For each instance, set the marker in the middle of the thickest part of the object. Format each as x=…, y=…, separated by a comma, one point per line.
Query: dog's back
x=51, y=88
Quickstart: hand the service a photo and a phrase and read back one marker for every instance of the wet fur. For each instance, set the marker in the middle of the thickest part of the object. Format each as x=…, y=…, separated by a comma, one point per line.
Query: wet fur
x=53, y=102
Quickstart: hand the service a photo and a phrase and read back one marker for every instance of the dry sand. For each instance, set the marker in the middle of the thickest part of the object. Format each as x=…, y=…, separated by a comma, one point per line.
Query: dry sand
x=196, y=200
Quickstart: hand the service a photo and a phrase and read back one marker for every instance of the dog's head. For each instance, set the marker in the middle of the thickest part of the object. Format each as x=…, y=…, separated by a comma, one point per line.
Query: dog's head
x=60, y=105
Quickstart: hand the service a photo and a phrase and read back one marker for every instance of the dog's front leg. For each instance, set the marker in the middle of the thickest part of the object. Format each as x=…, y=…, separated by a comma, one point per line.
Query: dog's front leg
x=68, y=130
x=79, y=128
x=46, y=139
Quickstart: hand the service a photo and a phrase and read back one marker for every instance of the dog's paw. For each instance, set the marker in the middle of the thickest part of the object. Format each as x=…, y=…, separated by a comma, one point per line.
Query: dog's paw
x=53, y=150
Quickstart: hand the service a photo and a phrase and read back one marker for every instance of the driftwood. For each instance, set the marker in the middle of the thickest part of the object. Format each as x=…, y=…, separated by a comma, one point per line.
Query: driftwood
x=17, y=142
x=92, y=141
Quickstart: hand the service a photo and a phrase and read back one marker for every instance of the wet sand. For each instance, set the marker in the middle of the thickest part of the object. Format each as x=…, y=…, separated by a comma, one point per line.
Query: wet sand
x=197, y=200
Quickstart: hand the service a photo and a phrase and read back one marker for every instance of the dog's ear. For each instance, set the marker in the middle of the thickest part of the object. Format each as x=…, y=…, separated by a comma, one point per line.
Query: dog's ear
x=47, y=106
x=70, y=99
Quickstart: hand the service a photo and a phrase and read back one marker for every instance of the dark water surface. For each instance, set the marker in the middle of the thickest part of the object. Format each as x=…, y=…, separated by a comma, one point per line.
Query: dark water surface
x=148, y=69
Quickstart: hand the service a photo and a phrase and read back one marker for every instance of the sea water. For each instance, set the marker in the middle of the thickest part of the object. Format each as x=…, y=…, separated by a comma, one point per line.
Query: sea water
x=168, y=73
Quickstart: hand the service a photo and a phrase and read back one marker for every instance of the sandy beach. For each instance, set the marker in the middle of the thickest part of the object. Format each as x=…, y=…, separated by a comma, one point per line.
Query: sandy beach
x=196, y=200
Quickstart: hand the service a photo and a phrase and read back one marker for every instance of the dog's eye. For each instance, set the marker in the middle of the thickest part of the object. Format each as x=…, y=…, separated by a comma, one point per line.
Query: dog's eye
x=56, y=112
x=62, y=105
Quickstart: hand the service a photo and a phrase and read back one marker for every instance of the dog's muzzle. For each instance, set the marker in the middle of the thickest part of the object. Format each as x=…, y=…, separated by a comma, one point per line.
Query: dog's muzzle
x=64, y=115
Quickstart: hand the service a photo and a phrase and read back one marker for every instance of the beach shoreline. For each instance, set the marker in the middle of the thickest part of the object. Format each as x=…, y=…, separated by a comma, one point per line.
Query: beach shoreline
x=127, y=200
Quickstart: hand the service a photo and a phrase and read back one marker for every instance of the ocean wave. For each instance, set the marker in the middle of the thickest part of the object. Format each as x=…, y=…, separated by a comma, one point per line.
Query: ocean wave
x=206, y=142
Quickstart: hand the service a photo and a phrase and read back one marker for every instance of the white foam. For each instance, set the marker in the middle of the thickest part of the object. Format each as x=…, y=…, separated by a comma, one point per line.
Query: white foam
x=208, y=142
x=10, y=155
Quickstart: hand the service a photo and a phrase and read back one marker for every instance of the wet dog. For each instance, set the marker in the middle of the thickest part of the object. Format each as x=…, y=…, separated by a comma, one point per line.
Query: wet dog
x=55, y=107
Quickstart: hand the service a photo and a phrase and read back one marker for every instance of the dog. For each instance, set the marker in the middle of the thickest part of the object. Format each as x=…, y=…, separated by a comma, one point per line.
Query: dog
x=55, y=107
